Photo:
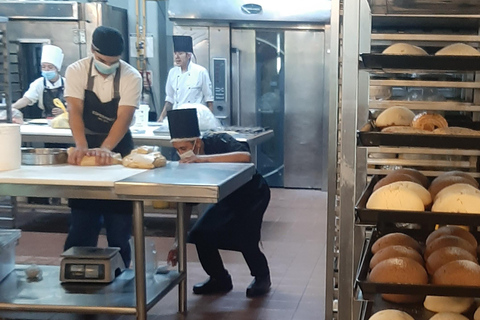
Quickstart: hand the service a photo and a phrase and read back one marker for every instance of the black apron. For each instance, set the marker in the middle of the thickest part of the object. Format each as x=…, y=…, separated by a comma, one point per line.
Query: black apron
x=98, y=118
x=49, y=95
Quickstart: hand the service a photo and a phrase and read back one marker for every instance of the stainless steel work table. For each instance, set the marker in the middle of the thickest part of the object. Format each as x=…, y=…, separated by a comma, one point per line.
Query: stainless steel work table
x=131, y=293
x=44, y=133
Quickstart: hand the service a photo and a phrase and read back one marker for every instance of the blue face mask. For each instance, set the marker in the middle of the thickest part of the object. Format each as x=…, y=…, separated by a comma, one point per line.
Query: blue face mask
x=49, y=75
x=105, y=69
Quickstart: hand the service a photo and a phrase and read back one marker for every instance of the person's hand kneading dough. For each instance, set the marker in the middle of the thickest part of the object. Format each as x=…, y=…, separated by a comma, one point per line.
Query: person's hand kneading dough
x=91, y=159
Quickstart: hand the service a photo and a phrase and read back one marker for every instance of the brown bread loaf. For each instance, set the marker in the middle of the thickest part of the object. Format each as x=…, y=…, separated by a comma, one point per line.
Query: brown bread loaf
x=458, y=273
x=449, y=241
x=452, y=231
x=395, y=238
x=446, y=254
x=395, y=252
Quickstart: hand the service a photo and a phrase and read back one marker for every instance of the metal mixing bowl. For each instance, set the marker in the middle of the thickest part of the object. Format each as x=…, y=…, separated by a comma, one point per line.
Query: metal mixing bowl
x=44, y=156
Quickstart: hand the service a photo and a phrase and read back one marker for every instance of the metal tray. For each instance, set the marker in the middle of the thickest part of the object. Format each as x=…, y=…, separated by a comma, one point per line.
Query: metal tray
x=369, y=289
x=416, y=310
x=44, y=156
x=373, y=216
x=370, y=137
x=410, y=62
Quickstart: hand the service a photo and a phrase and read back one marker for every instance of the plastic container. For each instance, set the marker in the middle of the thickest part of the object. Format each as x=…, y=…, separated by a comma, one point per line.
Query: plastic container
x=8, y=241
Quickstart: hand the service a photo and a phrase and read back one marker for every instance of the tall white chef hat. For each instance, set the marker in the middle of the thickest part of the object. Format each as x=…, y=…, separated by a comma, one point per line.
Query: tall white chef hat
x=52, y=54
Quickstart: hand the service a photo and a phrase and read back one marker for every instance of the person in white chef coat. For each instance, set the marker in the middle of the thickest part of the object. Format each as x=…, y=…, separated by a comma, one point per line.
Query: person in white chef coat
x=187, y=82
x=49, y=86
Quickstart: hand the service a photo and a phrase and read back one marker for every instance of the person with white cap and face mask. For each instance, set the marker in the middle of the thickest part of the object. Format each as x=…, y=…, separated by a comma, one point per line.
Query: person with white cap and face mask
x=49, y=86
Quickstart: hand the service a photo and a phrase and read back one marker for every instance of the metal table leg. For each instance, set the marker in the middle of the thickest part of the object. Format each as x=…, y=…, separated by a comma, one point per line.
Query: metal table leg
x=139, y=243
x=182, y=255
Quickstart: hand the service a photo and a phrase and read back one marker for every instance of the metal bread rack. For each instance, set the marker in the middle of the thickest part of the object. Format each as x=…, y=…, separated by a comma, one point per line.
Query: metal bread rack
x=5, y=84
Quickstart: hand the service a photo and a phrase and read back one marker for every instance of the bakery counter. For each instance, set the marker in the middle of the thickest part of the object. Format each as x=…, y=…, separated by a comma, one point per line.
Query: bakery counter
x=175, y=182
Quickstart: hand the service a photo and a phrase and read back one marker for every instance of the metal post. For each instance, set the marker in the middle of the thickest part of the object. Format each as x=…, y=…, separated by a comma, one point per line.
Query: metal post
x=182, y=255
x=139, y=243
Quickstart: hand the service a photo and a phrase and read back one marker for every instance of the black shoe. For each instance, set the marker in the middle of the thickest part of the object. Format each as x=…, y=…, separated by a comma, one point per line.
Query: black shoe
x=259, y=287
x=212, y=286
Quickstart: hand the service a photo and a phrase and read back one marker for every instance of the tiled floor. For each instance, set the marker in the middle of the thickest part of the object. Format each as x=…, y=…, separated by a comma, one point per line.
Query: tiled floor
x=293, y=238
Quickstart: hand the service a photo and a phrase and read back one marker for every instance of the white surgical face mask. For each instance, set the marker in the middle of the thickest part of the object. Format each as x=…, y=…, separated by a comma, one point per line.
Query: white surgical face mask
x=105, y=69
x=187, y=154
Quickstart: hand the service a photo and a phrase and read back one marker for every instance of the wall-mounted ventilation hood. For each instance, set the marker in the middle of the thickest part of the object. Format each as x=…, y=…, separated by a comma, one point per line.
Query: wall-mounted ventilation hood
x=426, y=7
x=299, y=11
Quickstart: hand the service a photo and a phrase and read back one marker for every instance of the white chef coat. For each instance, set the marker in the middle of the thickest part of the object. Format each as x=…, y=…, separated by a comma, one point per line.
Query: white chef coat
x=192, y=86
x=130, y=87
x=35, y=91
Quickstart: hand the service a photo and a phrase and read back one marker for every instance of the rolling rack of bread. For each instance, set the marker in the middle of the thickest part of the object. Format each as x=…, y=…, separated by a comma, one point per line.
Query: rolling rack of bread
x=419, y=259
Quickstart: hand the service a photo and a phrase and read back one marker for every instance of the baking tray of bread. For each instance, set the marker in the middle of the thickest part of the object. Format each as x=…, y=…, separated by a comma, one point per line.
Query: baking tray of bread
x=405, y=266
x=393, y=202
x=416, y=62
x=398, y=126
x=384, y=310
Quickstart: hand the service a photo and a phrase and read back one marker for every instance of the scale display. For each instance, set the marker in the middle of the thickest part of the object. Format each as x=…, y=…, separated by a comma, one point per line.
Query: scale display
x=84, y=271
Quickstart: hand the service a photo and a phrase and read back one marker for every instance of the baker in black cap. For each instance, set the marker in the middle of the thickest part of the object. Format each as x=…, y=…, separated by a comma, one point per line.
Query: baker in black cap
x=102, y=92
x=187, y=82
x=235, y=222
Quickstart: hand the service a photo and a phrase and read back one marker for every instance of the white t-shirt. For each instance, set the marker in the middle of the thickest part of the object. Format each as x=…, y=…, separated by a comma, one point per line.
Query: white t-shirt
x=192, y=86
x=130, y=87
x=35, y=91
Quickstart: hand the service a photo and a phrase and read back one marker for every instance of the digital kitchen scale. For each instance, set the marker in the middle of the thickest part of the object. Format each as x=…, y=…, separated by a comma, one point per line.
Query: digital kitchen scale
x=91, y=264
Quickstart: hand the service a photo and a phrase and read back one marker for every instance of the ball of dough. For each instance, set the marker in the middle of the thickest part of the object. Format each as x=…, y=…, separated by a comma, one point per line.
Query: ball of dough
x=458, y=49
x=447, y=304
x=395, y=198
x=33, y=272
x=458, y=273
x=395, y=238
x=458, y=203
x=390, y=314
x=405, y=49
x=395, y=252
x=452, y=231
x=476, y=316
x=448, y=316
x=395, y=116
x=445, y=255
x=449, y=241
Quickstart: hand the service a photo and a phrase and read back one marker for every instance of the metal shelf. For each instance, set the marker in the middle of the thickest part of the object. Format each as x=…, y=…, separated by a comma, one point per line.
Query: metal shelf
x=431, y=84
x=426, y=105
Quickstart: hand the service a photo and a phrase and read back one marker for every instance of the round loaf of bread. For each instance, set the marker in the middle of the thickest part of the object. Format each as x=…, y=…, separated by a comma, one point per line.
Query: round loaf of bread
x=395, y=116
x=429, y=121
x=400, y=270
x=393, y=239
x=448, y=316
x=452, y=231
x=458, y=273
x=447, y=304
x=395, y=252
x=395, y=198
x=418, y=189
x=476, y=315
x=457, y=188
x=416, y=174
x=438, y=185
x=458, y=49
x=457, y=173
x=458, y=203
x=405, y=49
x=394, y=177
x=446, y=254
x=448, y=241
x=390, y=314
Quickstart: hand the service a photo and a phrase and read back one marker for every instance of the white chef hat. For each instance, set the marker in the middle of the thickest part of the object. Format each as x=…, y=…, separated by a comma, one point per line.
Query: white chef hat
x=52, y=54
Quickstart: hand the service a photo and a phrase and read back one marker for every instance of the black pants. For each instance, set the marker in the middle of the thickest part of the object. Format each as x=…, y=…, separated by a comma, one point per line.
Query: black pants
x=212, y=263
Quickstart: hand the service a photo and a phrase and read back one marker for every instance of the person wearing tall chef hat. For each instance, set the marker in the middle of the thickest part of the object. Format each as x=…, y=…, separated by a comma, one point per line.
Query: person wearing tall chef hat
x=49, y=86
x=187, y=82
x=102, y=93
x=235, y=222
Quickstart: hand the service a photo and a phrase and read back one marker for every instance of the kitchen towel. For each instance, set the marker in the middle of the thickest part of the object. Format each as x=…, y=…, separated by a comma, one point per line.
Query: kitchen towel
x=10, y=146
